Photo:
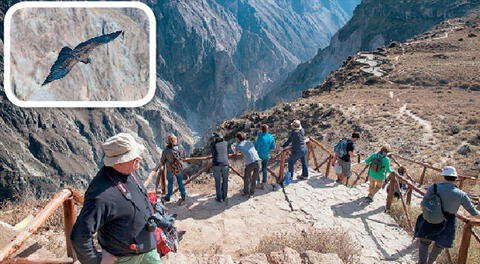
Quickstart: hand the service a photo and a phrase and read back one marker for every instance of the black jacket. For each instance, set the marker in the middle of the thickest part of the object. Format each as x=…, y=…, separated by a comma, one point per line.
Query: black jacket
x=118, y=222
x=219, y=152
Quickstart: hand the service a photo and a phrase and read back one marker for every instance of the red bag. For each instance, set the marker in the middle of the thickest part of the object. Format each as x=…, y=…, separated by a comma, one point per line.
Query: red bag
x=167, y=240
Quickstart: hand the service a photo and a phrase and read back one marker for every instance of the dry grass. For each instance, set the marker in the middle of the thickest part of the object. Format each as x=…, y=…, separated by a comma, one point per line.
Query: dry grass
x=318, y=240
x=399, y=215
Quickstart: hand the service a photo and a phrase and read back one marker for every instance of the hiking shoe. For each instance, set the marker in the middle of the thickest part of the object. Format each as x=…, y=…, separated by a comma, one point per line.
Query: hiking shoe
x=301, y=178
x=166, y=199
x=263, y=186
x=218, y=200
x=368, y=199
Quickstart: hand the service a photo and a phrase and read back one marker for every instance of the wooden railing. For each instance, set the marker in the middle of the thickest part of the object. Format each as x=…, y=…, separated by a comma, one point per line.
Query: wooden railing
x=276, y=167
x=470, y=223
x=66, y=198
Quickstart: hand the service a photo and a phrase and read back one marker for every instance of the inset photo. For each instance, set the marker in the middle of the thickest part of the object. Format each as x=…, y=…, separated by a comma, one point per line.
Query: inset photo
x=80, y=54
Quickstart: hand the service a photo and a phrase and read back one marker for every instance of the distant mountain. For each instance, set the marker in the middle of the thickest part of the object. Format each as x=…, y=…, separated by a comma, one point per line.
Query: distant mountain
x=375, y=23
x=214, y=59
x=220, y=56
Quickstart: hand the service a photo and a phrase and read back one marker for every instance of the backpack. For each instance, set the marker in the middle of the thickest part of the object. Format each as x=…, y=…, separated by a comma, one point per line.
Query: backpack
x=176, y=165
x=341, y=148
x=167, y=240
x=376, y=164
x=432, y=208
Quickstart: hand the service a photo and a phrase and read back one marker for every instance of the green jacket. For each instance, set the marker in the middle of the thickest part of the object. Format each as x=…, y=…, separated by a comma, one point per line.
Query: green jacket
x=385, y=167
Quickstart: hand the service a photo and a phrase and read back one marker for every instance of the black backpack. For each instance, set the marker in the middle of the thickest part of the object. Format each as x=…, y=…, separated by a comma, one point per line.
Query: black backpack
x=376, y=164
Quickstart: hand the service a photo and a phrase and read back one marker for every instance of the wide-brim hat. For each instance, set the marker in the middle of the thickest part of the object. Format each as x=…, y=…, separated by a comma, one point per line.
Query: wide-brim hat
x=121, y=148
x=296, y=124
x=449, y=171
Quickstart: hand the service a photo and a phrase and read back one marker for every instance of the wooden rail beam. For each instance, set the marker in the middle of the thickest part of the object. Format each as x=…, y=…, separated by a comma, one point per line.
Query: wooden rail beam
x=235, y=170
x=315, y=161
x=37, y=261
x=39, y=219
x=206, y=168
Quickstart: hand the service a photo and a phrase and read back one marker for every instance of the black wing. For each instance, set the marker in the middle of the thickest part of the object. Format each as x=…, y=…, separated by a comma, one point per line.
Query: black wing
x=59, y=69
x=92, y=43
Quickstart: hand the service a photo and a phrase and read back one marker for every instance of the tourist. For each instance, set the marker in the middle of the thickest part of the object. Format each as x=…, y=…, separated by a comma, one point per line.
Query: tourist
x=443, y=233
x=117, y=208
x=344, y=151
x=219, y=147
x=264, y=144
x=298, y=151
x=171, y=159
x=252, y=163
x=379, y=166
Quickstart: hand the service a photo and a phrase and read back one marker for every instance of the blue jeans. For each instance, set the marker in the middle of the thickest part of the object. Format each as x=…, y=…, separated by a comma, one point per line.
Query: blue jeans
x=220, y=173
x=180, y=185
x=264, y=171
x=296, y=155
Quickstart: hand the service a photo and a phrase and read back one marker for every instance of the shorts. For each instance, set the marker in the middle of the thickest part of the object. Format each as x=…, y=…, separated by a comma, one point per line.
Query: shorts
x=344, y=167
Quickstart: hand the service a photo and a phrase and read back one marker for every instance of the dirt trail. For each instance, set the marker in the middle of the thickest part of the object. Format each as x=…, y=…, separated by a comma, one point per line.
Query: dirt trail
x=235, y=229
x=427, y=126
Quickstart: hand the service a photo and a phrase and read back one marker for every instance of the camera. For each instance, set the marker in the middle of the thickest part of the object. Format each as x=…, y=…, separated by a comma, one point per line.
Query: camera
x=162, y=221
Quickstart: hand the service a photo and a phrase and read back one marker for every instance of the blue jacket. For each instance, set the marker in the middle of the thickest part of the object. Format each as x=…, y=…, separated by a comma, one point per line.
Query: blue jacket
x=265, y=142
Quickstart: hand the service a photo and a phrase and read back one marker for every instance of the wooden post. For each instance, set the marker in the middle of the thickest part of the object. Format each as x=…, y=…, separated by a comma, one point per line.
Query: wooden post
x=409, y=195
x=309, y=154
x=404, y=207
x=69, y=220
x=163, y=178
x=281, y=170
x=315, y=161
x=423, y=175
x=463, y=250
x=460, y=186
x=391, y=190
x=329, y=164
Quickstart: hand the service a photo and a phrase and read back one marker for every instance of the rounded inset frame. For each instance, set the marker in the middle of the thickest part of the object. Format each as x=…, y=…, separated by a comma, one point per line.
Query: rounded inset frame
x=150, y=66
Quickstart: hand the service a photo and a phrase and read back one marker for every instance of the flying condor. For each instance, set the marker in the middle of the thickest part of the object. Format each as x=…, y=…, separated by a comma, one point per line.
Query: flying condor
x=68, y=57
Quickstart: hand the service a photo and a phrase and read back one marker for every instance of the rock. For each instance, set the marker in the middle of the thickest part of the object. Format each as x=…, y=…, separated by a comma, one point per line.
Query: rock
x=312, y=257
x=440, y=56
x=464, y=150
x=394, y=44
x=287, y=256
x=258, y=258
x=471, y=35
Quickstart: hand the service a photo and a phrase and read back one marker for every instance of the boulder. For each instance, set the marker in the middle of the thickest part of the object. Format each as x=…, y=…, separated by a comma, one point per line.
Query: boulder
x=258, y=258
x=287, y=256
x=312, y=257
x=464, y=150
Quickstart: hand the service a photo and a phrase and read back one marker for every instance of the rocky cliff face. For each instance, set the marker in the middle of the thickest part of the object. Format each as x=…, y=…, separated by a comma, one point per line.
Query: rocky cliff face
x=222, y=55
x=213, y=59
x=374, y=24
x=47, y=149
x=118, y=70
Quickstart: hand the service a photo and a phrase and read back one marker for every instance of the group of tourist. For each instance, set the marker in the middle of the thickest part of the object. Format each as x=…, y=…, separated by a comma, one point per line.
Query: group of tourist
x=115, y=199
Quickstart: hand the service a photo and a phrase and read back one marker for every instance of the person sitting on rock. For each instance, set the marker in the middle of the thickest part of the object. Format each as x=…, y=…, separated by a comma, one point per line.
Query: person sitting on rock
x=299, y=151
x=172, y=158
x=219, y=149
x=379, y=166
x=343, y=163
x=252, y=163
x=443, y=234
x=117, y=208
x=264, y=144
